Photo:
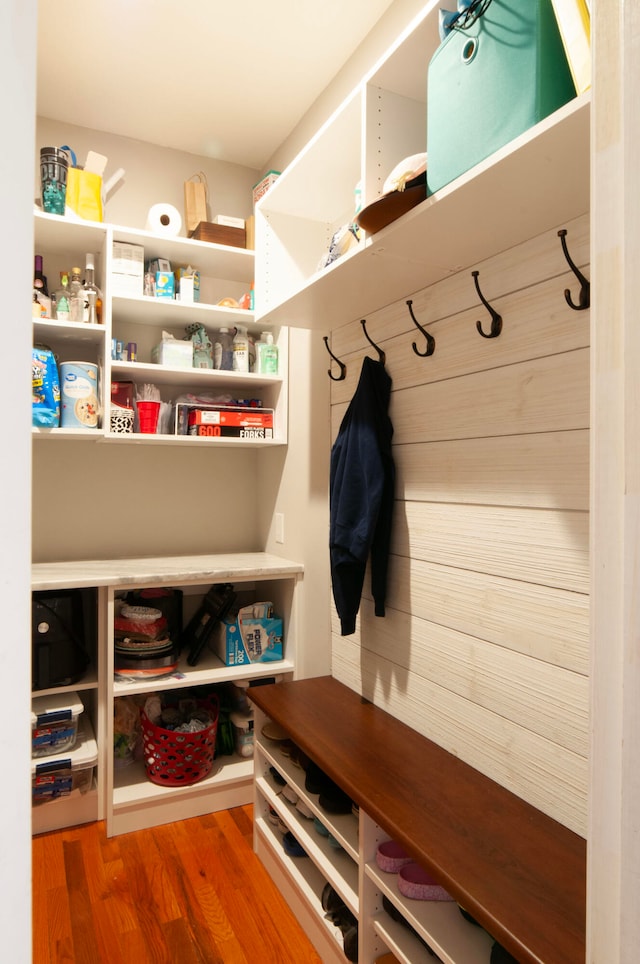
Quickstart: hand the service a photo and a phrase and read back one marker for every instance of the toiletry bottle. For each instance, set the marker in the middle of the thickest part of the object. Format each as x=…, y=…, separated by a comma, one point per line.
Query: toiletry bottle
x=267, y=354
x=223, y=351
x=241, y=350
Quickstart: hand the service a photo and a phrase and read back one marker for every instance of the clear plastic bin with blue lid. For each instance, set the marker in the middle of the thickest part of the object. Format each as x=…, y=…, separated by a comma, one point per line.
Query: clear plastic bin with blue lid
x=54, y=723
x=60, y=776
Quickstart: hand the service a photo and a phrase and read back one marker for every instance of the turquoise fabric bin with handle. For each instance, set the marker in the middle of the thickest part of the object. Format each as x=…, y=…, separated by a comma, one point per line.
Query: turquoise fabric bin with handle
x=490, y=82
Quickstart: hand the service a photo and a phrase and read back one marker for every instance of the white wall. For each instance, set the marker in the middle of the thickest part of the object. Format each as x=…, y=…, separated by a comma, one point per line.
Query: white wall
x=148, y=181
x=17, y=100
x=485, y=644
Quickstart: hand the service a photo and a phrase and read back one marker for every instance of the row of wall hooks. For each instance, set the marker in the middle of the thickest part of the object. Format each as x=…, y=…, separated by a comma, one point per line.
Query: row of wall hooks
x=584, y=299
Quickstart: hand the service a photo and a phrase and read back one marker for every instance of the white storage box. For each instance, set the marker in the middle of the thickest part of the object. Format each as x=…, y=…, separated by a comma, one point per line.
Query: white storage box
x=54, y=723
x=60, y=776
x=127, y=272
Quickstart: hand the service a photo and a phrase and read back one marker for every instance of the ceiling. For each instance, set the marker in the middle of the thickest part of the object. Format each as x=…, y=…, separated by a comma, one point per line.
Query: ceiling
x=226, y=80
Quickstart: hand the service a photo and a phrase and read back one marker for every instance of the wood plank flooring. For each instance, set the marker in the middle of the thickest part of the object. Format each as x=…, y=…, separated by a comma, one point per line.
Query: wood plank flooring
x=191, y=892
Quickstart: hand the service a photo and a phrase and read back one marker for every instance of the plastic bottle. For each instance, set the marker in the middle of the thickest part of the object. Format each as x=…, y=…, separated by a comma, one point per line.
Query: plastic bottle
x=241, y=350
x=267, y=354
x=223, y=351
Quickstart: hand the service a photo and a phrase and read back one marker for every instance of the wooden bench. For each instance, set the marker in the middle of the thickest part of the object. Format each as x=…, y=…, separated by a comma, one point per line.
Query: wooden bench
x=518, y=872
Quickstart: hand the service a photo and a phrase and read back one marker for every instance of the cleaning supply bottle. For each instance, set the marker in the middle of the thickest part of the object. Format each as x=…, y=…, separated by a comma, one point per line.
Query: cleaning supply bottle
x=241, y=350
x=223, y=351
x=267, y=355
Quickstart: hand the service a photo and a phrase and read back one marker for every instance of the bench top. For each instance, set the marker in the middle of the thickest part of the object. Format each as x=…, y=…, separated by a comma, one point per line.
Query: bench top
x=521, y=874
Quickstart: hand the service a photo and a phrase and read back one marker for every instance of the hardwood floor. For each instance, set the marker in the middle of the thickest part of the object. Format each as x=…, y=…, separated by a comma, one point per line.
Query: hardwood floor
x=191, y=892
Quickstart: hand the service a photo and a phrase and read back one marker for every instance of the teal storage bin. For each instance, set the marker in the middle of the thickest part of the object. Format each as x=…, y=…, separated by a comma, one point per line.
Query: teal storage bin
x=491, y=82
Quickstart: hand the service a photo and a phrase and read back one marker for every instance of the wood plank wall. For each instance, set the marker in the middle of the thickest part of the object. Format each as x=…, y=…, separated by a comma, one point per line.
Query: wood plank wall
x=484, y=648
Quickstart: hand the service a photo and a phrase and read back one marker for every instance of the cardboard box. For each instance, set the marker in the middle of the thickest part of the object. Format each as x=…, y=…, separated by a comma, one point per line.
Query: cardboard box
x=260, y=642
x=220, y=234
x=264, y=184
x=216, y=418
x=127, y=269
x=187, y=284
x=165, y=285
x=229, y=221
x=174, y=353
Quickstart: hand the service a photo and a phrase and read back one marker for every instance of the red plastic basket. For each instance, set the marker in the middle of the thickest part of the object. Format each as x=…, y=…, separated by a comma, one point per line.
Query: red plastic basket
x=179, y=759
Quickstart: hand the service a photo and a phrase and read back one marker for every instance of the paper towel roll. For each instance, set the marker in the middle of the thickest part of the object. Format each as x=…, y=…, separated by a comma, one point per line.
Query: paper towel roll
x=164, y=219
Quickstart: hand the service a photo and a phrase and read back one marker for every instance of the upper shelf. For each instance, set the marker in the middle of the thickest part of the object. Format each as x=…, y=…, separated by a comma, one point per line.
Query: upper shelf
x=53, y=233
x=539, y=179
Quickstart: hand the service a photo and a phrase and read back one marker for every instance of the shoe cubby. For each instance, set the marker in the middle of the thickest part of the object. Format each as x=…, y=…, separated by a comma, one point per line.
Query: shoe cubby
x=487, y=848
x=335, y=855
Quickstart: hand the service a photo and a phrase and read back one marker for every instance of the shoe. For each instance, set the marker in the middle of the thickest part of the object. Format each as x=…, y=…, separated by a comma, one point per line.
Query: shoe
x=395, y=914
x=501, y=956
x=391, y=857
x=291, y=846
x=289, y=794
x=320, y=827
x=315, y=778
x=331, y=900
x=277, y=777
x=414, y=882
x=334, y=800
x=302, y=808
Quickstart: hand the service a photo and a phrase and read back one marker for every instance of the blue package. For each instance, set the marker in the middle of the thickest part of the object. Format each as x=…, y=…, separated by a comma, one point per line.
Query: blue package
x=45, y=388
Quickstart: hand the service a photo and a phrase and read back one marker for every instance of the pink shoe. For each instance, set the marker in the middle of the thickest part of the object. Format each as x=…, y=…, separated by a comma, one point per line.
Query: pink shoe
x=416, y=883
x=390, y=857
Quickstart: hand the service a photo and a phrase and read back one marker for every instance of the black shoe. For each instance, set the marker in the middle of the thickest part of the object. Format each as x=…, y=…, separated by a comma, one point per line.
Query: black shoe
x=315, y=779
x=334, y=800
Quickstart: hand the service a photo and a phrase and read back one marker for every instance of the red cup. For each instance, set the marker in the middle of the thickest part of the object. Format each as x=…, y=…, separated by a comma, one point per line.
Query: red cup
x=148, y=413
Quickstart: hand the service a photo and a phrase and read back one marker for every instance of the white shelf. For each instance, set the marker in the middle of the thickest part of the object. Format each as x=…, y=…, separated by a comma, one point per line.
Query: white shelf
x=344, y=827
x=335, y=865
x=64, y=242
x=132, y=788
x=440, y=923
x=199, y=378
x=47, y=330
x=163, y=571
x=541, y=178
x=219, y=260
x=165, y=311
x=208, y=671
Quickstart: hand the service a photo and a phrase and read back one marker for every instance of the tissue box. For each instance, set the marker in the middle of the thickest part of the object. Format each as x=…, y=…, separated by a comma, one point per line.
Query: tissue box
x=174, y=353
x=187, y=285
x=260, y=642
x=127, y=269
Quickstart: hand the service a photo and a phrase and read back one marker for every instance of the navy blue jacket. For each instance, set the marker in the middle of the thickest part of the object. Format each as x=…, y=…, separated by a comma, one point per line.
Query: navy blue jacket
x=362, y=478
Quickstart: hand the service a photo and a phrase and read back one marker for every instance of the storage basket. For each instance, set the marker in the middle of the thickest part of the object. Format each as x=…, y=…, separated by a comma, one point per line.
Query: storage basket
x=175, y=759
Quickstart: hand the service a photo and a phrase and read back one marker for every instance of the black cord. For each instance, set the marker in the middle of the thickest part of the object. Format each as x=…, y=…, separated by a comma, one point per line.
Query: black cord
x=466, y=18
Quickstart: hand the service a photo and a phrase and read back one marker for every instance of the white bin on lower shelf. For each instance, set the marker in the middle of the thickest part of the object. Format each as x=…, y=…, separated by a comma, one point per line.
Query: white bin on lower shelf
x=61, y=776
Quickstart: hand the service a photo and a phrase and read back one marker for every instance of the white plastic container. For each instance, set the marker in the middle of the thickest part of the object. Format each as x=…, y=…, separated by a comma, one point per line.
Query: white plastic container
x=54, y=723
x=241, y=350
x=60, y=776
x=243, y=732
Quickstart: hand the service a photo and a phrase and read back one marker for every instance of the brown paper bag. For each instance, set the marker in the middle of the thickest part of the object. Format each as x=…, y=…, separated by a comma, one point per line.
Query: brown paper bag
x=195, y=201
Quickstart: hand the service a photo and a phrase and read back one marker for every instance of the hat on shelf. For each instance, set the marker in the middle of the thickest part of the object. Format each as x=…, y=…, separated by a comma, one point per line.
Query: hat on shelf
x=404, y=188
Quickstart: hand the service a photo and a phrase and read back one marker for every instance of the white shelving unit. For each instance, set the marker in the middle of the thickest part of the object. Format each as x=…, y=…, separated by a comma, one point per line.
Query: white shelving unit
x=352, y=872
x=540, y=178
x=124, y=797
x=225, y=271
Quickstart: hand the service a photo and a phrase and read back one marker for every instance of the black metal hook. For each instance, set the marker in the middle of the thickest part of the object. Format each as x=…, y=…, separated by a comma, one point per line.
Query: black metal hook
x=431, y=342
x=496, y=319
x=584, y=298
x=343, y=367
x=381, y=355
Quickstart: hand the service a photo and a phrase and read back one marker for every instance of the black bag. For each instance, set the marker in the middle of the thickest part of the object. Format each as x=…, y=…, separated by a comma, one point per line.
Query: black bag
x=59, y=654
x=215, y=606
